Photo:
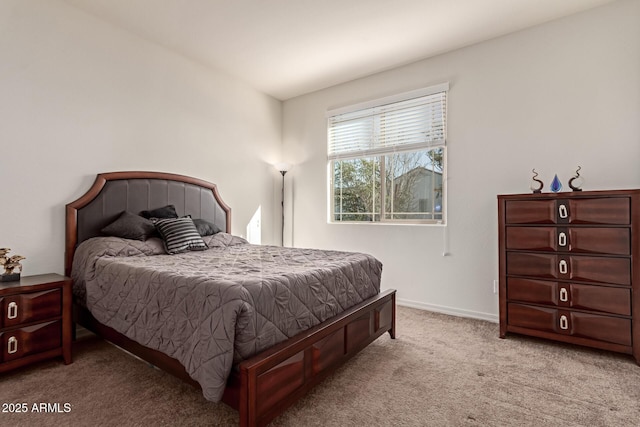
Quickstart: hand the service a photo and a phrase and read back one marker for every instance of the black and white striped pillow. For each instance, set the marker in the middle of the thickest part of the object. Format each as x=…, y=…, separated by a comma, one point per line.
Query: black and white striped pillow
x=180, y=235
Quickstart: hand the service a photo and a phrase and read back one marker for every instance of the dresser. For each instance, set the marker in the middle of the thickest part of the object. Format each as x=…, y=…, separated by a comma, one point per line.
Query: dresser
x=36, y=320
x=569, y=267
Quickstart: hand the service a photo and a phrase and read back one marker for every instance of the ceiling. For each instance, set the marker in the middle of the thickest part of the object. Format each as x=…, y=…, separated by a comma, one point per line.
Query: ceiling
x=287, y=48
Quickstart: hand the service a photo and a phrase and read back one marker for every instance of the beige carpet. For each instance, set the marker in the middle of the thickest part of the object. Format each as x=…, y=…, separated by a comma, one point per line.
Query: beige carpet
x=440, y=371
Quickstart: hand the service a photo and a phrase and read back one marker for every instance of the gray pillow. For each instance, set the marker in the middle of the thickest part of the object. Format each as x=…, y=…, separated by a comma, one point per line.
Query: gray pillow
x=130, y=226
x=206, y=228
x=168, y=211
x=180, y=235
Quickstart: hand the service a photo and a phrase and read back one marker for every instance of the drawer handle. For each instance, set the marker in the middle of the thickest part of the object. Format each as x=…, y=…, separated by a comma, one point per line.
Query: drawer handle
x=562, y=239
x=562, y=211
x=564, y=295
x=12, y=310
x=563, y=267
x=564, y=322
x=12, y=345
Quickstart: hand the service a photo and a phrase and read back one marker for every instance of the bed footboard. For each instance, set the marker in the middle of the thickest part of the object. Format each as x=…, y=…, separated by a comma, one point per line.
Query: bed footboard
x=265, y=385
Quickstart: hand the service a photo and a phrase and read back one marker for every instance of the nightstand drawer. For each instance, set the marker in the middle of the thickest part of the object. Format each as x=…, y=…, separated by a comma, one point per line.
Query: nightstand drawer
x=20, y=342
x=615, y=330
x=31, y=307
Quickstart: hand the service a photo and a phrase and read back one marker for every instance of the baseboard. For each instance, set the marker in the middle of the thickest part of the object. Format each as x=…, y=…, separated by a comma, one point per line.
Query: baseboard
x=448, y=310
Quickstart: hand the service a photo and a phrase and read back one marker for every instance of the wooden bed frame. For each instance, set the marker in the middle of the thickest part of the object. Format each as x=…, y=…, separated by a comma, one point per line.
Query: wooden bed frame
x=265, y=385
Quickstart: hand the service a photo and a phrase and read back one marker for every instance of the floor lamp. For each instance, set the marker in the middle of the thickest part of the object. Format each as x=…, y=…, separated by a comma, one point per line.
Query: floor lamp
x=283, y=168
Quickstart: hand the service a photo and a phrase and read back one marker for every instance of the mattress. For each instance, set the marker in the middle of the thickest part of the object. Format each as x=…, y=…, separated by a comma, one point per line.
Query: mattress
x=212, y=309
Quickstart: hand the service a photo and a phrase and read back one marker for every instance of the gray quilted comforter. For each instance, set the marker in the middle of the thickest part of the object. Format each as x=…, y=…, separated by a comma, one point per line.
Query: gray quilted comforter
x=213, y=308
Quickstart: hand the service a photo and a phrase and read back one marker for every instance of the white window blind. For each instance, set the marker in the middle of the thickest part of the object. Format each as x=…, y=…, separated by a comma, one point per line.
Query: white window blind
x=406, y=122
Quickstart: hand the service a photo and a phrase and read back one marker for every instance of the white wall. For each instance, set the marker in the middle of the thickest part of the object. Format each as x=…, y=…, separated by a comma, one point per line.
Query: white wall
x=553, y=97
x=79, y=97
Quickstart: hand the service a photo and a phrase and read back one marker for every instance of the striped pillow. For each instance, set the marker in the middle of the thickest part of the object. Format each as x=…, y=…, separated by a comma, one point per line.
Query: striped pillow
x=180, y=235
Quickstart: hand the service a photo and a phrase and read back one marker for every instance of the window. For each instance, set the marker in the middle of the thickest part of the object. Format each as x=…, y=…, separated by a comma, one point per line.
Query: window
x=387, y=159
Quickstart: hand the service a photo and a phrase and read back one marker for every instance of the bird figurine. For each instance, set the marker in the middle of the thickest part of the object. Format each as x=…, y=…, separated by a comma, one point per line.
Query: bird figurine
x=11, y=264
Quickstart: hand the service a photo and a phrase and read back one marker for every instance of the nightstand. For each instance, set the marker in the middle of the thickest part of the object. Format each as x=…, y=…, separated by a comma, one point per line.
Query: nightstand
x=36, y=320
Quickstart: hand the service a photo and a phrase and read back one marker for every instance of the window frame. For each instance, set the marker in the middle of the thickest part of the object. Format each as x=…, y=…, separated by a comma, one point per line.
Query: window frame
x=380, y=155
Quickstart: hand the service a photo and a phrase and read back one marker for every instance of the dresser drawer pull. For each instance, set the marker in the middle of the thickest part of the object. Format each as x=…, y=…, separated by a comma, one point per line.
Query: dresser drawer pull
x=563, y=267
x=564, y=295
x=564, y=322
x=12, y=310
x=12, y=345
x=562, y=211
x=562, y=239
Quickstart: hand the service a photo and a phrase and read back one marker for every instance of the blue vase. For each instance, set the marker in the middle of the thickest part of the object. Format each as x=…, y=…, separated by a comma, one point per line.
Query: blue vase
x=556, y=185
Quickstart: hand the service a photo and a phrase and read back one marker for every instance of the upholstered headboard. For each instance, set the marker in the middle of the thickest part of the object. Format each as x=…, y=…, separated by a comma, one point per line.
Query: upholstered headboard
x=114, y=192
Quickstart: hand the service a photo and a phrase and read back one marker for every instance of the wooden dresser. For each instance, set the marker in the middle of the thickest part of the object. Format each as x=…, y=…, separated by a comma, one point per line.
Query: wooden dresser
x=569, y=267
x=36, y=320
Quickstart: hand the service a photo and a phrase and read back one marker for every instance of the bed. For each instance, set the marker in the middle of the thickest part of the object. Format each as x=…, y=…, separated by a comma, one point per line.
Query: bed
x=288, y=355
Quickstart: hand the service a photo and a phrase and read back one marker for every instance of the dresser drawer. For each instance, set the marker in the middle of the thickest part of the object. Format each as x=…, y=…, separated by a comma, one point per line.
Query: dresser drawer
x=532, y=238
x=596, y=298
x=612, y=241
x=615, y=271
x=613, y=210
x=30, y=307
x=20, y=342
x=530, y=212
x=610, y=329
x=605, y=211
x=603, y=299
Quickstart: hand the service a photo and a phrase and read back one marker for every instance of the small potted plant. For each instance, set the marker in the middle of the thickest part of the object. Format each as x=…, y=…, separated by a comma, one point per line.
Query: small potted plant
x=11, y=264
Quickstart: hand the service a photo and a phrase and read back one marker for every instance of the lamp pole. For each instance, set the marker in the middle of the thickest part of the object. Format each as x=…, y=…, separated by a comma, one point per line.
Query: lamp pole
x=282, y=168
x=283, y=172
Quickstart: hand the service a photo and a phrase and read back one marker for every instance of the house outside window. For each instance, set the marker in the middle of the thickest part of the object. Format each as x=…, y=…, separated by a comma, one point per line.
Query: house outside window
x=387, y=159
